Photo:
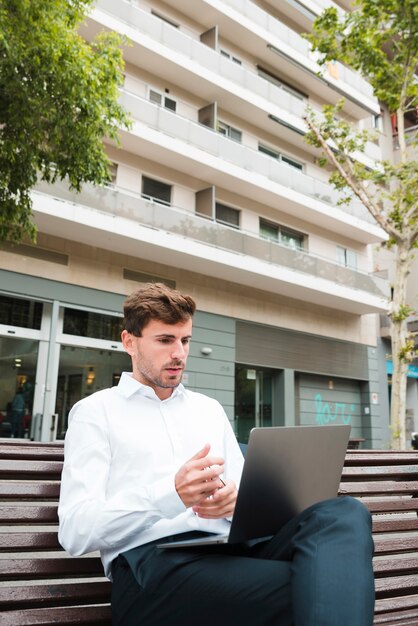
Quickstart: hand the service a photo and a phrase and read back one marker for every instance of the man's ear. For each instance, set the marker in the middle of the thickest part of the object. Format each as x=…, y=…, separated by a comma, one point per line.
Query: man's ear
x=127, y=341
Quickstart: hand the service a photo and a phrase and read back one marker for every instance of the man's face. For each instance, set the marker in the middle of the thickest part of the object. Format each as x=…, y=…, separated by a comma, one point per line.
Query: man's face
x=159, y=355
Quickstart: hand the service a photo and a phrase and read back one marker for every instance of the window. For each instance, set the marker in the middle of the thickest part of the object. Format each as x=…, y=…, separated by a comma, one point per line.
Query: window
x=281, y=234
x=19, y=312
x=275, y=80
x=229, y=56
x=156, y=190
x=229, y=131
x=280, y=157
x=347, y=257
x=113, y=171
x=88, y=324
x=162, y=100
x=269, y=231
x=377, y=122
x=164, y=18
x=227, y=215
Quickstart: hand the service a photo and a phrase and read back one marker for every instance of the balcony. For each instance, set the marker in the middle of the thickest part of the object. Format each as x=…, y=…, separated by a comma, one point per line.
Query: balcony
x=186, y=146
x=242, y=20
x=202, y=68
x=125, y=222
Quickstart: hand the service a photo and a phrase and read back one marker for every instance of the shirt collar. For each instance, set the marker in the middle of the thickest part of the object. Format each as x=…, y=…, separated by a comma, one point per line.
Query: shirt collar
x=128, y=385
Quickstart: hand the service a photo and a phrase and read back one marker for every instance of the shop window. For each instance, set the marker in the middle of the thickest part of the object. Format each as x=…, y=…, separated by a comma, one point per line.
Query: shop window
x=347, y=257
x=18, y=359
x=156, y=190
x=19, y=312
x=279, y=234
x=162, y=100
x=229, y=131
x=254, y=399
x=94, y=325
x=275, y=154
x=227, y=215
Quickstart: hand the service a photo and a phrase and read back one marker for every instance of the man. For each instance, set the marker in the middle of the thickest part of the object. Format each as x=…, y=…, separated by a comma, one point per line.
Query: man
x=148, y=460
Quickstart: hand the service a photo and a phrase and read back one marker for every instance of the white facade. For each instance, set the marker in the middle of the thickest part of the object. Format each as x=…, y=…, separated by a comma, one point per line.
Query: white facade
x=215, y=190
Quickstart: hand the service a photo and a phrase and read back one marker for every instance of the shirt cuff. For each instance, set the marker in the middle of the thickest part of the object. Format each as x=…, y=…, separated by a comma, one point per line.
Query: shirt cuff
x=163, y=493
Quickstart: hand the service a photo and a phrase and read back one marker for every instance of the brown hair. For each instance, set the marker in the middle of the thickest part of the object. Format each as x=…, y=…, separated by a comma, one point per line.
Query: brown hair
x=156, y=301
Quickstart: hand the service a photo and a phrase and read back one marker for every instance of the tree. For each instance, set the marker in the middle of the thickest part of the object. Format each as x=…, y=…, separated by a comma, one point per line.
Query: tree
x=58, y=100
x=379, y=39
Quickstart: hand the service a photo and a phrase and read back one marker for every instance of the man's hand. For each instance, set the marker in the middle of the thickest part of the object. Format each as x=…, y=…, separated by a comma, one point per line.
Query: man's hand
x=198, y=479
x=220, y=504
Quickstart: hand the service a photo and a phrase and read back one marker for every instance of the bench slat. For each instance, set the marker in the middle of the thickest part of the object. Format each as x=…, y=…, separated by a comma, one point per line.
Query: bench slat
x=30, y=469
x=29, y=489
x=29, y=514
x=383, y=545
x=380, y=457
x=70, y=616
x=379, y=487
x=12, y=569
x=56, y=594
x=33, y=452
x=400, y=618
x=396, y=604
x=394, y=525
x=397, y=471
x=22, y=541
x=394, y=566
x=398, y=504
x=400, y=584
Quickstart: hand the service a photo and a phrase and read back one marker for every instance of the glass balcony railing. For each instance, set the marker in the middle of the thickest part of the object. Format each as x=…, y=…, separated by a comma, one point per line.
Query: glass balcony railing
x=250, y=160
x=193, y=49
x=128, y=205
x=286, y=35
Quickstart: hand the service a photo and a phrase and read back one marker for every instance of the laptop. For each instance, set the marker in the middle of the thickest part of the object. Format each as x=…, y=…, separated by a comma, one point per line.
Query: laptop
x=286, y=470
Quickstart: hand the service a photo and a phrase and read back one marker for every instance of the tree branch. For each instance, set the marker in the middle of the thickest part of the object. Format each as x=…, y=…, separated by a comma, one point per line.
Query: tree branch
x=358, y=188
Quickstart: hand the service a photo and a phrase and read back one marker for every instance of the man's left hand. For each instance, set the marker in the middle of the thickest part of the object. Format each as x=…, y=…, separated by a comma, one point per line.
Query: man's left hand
x=221, y=504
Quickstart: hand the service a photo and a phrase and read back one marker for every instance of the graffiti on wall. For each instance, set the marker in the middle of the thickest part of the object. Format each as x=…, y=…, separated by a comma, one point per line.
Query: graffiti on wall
x=326, y=414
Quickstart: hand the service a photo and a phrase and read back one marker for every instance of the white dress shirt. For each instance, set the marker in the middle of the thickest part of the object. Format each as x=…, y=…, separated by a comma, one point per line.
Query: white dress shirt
x=123, y=448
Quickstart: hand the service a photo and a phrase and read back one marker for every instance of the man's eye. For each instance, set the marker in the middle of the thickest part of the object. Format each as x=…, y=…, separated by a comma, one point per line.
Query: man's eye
x=165, y=340
x=185, y=341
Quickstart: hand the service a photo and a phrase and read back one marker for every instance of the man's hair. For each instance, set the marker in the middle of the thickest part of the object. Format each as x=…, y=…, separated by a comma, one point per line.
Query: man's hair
x=156, y=301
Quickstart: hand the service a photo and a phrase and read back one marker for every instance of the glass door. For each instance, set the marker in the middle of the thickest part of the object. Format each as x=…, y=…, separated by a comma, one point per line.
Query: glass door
x=253, y=399
x=82, y=371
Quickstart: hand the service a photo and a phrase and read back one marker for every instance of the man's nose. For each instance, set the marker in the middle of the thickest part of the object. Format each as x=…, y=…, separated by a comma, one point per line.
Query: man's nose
x=178, y=351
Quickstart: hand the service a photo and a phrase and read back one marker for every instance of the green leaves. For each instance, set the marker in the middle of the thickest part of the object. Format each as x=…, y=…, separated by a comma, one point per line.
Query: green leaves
x=380, y=40
x=58, y=100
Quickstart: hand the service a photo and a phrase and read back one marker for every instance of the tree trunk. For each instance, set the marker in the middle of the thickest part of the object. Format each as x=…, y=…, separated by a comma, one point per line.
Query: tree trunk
x=399, y=334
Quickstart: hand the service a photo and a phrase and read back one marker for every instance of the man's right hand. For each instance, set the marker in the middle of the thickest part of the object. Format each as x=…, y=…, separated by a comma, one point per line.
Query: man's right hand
x=198, y=478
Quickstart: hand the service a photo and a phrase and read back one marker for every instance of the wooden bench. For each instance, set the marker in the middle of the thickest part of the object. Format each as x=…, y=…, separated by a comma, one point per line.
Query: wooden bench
x=387, y=483
x=41, y=585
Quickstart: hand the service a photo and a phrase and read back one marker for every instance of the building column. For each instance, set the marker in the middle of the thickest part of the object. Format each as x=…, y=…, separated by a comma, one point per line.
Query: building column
x=284, y=397
x=48, y=429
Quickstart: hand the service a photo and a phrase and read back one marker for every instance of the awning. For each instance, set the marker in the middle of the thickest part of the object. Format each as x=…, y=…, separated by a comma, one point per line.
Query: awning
x=412, y=369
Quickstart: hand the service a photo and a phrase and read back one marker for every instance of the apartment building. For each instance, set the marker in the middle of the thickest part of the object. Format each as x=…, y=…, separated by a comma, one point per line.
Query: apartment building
x=213, y=191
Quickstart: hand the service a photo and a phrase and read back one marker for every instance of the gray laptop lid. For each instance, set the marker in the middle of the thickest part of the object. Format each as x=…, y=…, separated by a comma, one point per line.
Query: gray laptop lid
x=286, y=470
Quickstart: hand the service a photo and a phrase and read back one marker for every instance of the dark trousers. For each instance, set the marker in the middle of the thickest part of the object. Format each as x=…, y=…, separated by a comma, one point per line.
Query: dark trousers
x=316, y=571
